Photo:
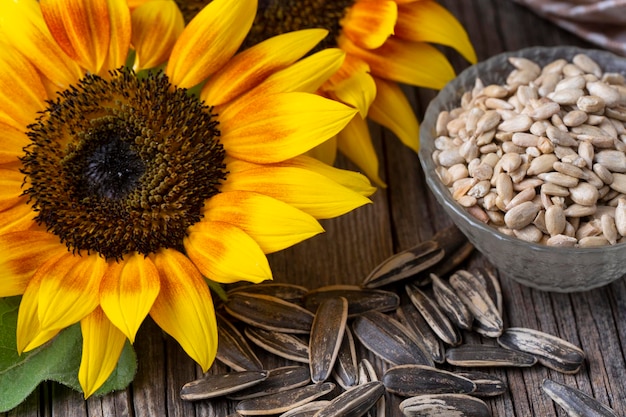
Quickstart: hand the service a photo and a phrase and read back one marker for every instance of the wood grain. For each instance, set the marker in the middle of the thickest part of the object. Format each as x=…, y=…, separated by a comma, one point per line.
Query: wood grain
x=401, y=216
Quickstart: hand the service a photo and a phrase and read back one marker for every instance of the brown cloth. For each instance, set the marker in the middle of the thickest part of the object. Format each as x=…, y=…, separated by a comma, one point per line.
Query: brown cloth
x=601, y=22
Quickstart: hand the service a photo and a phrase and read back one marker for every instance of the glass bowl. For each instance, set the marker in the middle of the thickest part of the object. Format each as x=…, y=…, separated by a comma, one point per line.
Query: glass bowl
x=558, y=269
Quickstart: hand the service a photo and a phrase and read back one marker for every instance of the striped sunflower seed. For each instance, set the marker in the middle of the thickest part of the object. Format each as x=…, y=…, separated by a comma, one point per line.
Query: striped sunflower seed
x=405, y=264
x=360, y=300
x=487, y=385
x=574, y=401
x=280, y=344
x=346, y=371
x=233, y=349
x=354, y=402
x=436, y=319
x=438, y=405
x=283, y=401
x=388, y=339
x=475, y=296
x=475, y=355
x=212, y=386
x=306, y=410
x=326, y=336
x=269, y=312
x=411, y=380
x=278, y=380
x=551, y=351
x=451, y=304
x=492, y=284
x=288, y=292
x=414, y=321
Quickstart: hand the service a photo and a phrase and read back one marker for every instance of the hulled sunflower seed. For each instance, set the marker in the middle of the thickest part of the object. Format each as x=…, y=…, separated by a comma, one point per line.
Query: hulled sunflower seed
x=433, y=315
x=269, y=313
x=405, y=264
x=438, y=405
x=278, y=380
x=451, y=304
x=283, y=401
x=414, y=321
x=346, y=371
x=475, y=296
x=355, y=401
x=359, y=299
x=233, y=349
x=551, y=351
x=326, y=336
x=212, y=386
x=487, y=385
x=574, y=401
x=388, y=339
x=411, y=380
x=280, y=344
x=475, y=355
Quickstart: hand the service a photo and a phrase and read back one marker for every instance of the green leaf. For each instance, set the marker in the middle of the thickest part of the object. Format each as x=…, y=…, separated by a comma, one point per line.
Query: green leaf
x=57, y=360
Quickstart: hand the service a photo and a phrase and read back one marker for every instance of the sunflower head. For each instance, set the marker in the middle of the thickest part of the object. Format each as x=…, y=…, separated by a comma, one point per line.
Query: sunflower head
x=123, y=164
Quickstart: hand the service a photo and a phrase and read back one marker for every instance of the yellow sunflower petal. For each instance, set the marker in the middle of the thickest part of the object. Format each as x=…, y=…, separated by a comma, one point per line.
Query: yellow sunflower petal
x=22, y=25
x=370, y=23
x=127, y=292
x=29, y=334
x=356, y=143
x=428, y=21
x=281, y=126
x=69, y=289
x=354, y=85
x=350, y=179
x=210, y=40
x=81, y=28
x=184, y=307
x=325, y=152
x=274, y=225
x=156, y=26
x=13, y=142
x=19, y=217
x=102, y=348
x=21, y=86
x=22, y=254
x=248, y=68
x=120, y=23
x=414, y=63
x=306, y=190
x=224, y=253
x=10, y=188
x=393, y=110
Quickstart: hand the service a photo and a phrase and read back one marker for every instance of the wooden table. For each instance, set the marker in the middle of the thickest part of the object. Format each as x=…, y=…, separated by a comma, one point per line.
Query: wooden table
x=402, y=215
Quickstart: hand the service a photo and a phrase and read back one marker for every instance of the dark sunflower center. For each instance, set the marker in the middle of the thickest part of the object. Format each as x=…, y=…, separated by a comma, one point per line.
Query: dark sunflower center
x=280, y=16
x=123, y=164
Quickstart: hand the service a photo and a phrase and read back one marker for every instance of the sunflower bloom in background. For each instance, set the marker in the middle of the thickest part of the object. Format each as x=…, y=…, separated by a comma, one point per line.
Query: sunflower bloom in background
x=123, y=193
x=387, y=42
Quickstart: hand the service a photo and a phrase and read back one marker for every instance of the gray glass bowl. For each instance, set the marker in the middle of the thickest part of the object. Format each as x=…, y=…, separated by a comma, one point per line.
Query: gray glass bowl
x=543, y=267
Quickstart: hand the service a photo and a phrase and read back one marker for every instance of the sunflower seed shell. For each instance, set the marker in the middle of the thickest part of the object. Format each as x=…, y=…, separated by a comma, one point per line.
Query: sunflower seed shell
x=233, y=349
x=475, y=355
x=360, y=300
x=551, y=351
x=283, y=401
x=388, y=339
x=451, y=304
x=574, y=401
x=346, y=370
x=487, y=385
x=355, y=401
x=414, y=321
x=288, y=292
x=439, y=405
x=280, y=344
x=326, y=336
x=212, y=386
x=411, y=380
x=278, y=379
x=269, y=313
x=306, y=410
x=436, y=319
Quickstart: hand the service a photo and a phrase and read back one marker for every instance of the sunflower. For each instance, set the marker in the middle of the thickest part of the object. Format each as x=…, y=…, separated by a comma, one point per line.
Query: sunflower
x=126, y=189
x=387, y=42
